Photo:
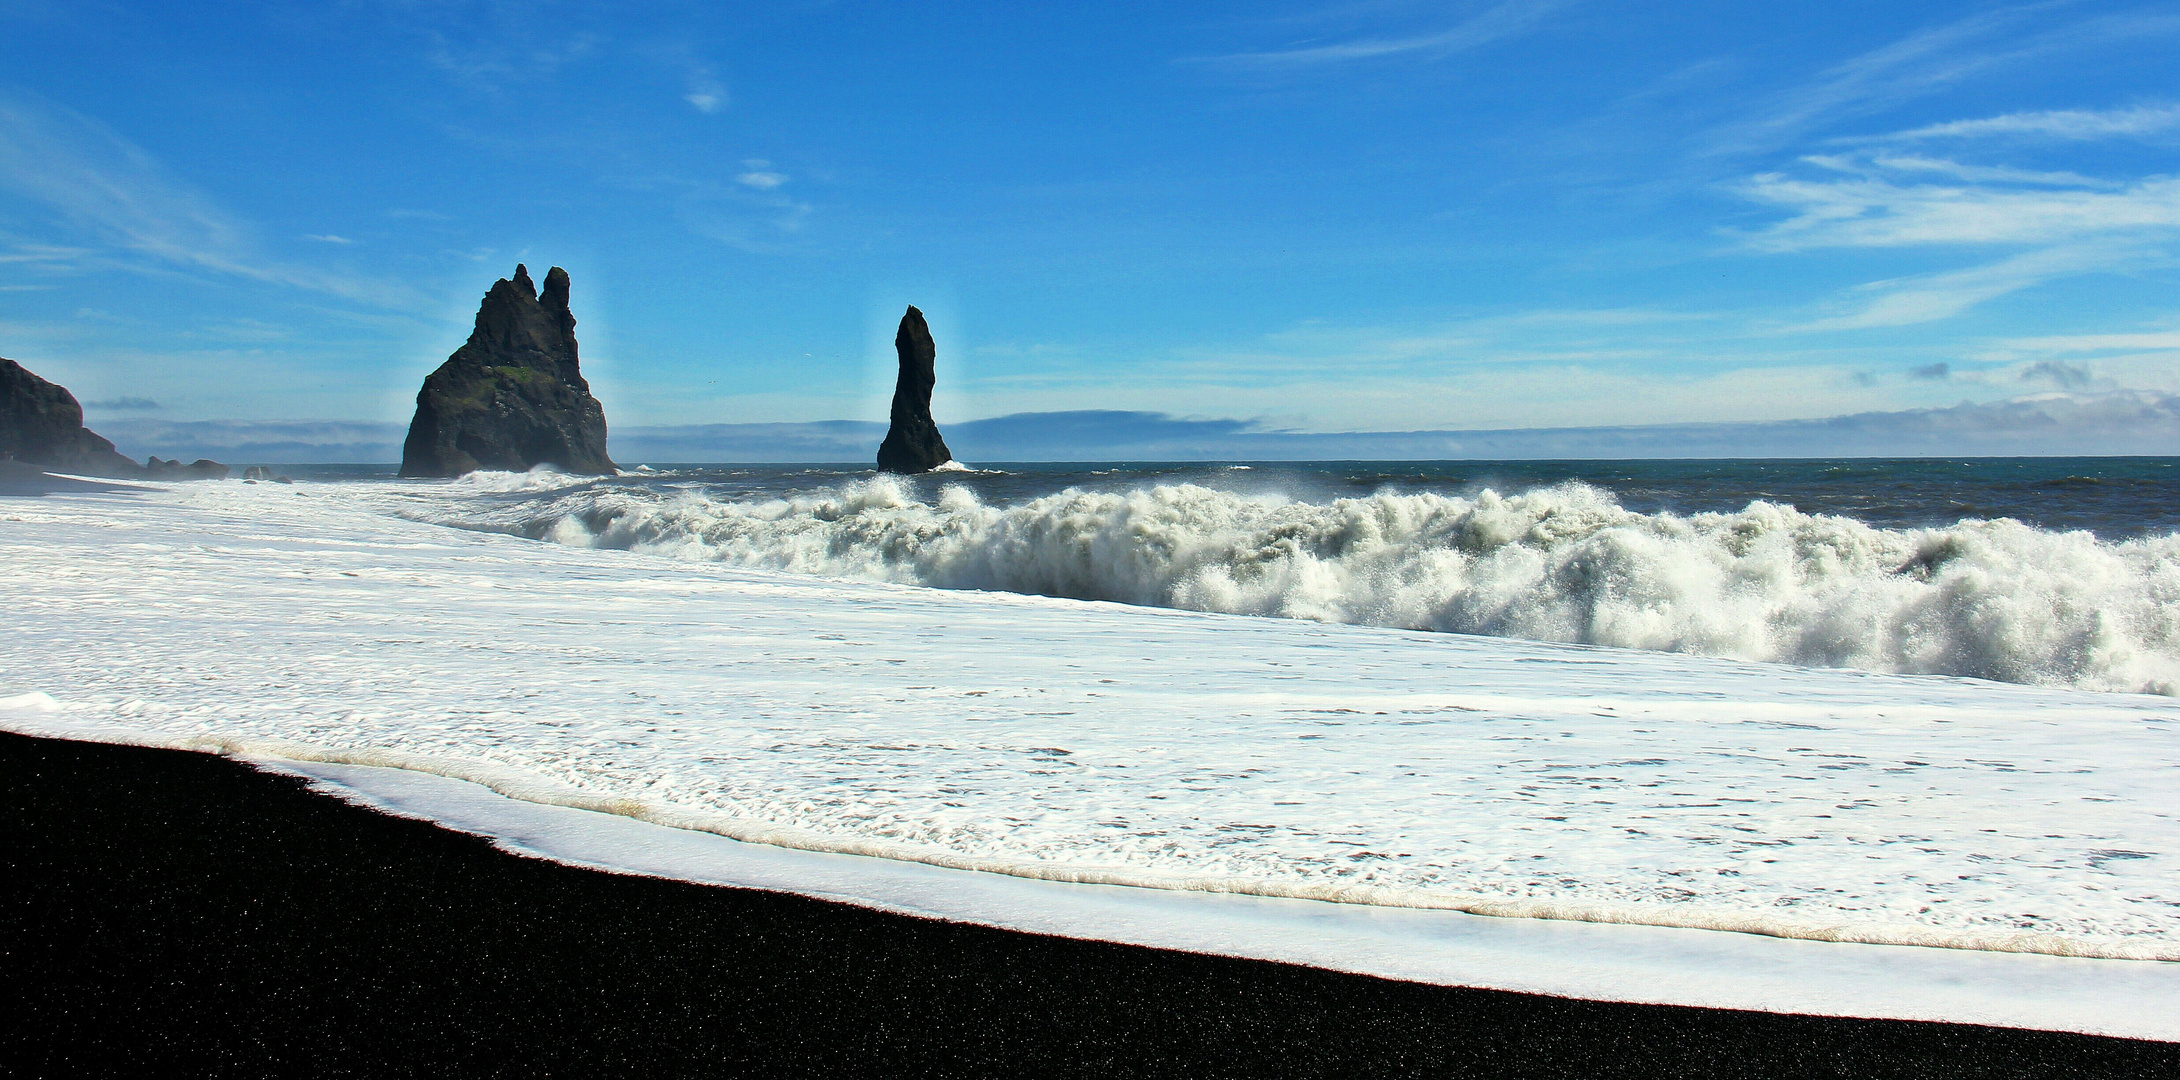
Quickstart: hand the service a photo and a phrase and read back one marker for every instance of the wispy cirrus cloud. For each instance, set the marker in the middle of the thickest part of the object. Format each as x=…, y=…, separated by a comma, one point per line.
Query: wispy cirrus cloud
x=1506, y=19
x=1872, y=209
x=1897, y=190
x=85, y=171
x=2001, y=174
x=107, y=188
x=513, y=48
x=1936, y=59
x=751, y=213
x=1931, y=297
x=2061, y=223
x=42, y=256
x=1874, y=80
x=2071, y=124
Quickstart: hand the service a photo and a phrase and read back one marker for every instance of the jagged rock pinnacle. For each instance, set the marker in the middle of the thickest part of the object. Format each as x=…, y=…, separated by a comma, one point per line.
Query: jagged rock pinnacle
x=913, y=444
x=513, y=396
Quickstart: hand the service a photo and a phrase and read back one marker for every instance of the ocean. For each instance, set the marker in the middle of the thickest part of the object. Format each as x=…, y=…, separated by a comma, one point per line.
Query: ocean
x=1562, y=716
x=2047, y=571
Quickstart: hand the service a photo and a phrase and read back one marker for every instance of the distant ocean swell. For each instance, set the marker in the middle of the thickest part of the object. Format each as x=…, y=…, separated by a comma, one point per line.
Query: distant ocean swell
x=1988, y=599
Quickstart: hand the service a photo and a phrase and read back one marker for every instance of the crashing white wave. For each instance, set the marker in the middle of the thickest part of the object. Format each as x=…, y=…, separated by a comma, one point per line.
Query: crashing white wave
x=494, y=481
x=1987, y=599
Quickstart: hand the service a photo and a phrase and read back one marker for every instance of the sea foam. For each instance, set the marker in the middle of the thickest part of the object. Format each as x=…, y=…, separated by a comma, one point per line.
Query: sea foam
x=1098, y=742
x=1993, y=599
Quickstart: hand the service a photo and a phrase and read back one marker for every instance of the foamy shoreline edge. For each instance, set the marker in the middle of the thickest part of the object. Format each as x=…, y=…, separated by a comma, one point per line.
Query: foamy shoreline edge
x=17, y=715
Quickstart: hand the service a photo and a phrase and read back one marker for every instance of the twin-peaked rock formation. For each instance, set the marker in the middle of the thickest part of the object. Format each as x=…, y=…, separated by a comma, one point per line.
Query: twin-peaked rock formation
x=513, y=396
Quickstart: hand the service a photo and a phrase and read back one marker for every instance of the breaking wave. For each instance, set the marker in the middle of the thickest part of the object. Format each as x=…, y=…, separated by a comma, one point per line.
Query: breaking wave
x=1989, y=599
x=540, y=478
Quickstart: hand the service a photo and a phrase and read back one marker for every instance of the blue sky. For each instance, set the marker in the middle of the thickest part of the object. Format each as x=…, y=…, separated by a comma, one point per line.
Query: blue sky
x=1373, y=216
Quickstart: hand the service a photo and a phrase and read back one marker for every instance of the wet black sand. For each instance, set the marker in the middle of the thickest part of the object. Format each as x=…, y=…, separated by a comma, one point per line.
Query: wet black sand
x=171, y=913
x=18, y=480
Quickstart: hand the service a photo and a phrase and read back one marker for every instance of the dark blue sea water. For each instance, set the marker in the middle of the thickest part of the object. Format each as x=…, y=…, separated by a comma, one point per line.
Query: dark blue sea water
x=2114, y=497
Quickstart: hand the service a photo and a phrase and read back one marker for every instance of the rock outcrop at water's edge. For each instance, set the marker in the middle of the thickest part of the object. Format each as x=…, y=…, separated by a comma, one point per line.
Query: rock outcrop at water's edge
x=913, y=444
x=513, y=396
x=200, y=469
x=41, y=424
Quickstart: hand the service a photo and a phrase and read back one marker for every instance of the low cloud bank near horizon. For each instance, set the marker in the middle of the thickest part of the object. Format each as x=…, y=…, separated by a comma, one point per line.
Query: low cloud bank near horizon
x=253, y=442
x=2117, y=423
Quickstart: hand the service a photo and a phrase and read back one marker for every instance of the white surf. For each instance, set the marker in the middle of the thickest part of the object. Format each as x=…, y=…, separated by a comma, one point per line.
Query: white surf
x=1062, y=741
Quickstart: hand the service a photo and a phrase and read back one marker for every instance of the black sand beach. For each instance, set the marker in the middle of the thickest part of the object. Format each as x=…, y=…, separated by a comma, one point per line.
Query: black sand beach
x=170, y=913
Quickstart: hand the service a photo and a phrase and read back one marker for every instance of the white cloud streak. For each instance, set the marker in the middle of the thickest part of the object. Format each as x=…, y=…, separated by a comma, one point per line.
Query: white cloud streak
x=512, y=49
x=1913, y=65
x=1940, y=57
x=44, y=255
x=2072, y=225
x=1503, y=20
x=91, y=177
x=85, y=171
x=2071, y=124
x=1876, y=212
x=1929, y=298
x=1999, y=174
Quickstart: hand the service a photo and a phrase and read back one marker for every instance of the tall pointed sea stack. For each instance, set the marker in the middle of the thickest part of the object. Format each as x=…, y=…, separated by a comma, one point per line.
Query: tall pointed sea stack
x=41, y=424
x=513, y=396
x=913, y=444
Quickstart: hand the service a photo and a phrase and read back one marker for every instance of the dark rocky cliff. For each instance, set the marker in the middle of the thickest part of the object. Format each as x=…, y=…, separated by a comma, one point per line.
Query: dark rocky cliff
x=513, y=396
x=913, y=444
x=41, y=424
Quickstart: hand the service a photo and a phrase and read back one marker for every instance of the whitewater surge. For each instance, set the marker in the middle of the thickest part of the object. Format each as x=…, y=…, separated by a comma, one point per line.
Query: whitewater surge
x=1993, y=599
x=1059, y=741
